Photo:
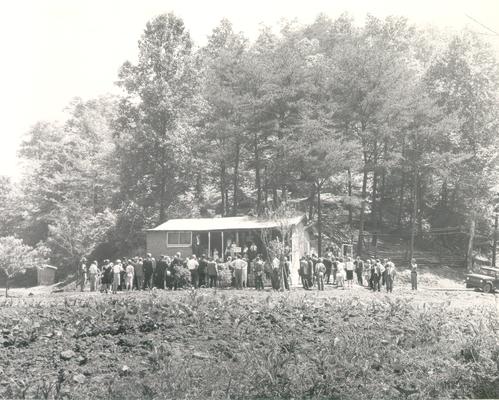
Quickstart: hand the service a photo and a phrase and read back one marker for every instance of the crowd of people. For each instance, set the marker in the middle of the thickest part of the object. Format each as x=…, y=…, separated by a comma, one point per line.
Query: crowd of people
x=239, y=272
x=339, y=271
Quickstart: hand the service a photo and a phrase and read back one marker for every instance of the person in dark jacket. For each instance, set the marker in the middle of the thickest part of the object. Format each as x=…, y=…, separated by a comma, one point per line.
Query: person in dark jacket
x=359, y=270
x=329, y=266
x=159, y=273
x=303, y=272
x=203, y=264
x=148, y=266
x=107, y=275
x=258, y=271
x=310, y=272
x=138, y=266
x=212, y=272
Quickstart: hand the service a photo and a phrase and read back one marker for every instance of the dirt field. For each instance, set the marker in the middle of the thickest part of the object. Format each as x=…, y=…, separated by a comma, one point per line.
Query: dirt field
x=439, y=342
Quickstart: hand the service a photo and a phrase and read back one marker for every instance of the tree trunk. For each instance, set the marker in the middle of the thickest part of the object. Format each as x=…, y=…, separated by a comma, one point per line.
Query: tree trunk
x=414, y=215
x=258, y=181
x=349, y=172
x=236, y=179
x=420, y=208
x=494, y=242
x=382, y=187
x=401, y=192
x=266, y=189
x=319, y=221
x=374, y=193
x=360, y=243
x=223, y=189
x=284, y=193
x=162, y=198
x=469, y=253
x=275, y=198
x=311, y=204
x=7, y=282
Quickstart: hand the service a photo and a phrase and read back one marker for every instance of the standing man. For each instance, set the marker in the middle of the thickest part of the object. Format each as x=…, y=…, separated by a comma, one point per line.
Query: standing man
x=310, y=272
x=203, y=264
x=244, y=272
x=287, y=272
x=138, y=267
x=414, y=274
x=82, y=271
x=329, y=265
x=148, y=271
x=159, y=273
x=238, y=271
x=192, y=266
x=117, y=268
x=130, y=272
x=276, y=265
x=258, y=270
x=303, y=272
x=320, y=270
x=212, y=272
x=390, y=275
x=359, y=270
x=383, y=272
x=334, y=269
x=377, y=275
x=92, y=275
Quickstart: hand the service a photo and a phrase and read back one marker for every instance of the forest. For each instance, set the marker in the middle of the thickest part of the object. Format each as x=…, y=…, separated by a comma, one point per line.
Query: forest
x=387, y=126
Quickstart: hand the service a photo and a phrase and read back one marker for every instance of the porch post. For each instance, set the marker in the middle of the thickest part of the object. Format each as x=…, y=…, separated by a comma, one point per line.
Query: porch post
x=237, y=238
x=209, y=244
x=223, y=247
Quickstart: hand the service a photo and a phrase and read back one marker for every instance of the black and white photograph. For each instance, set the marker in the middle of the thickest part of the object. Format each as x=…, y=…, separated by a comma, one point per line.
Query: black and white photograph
x=224, y=200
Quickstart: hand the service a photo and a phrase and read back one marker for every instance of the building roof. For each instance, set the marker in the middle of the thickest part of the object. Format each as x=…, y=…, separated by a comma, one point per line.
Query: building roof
x=220, y=224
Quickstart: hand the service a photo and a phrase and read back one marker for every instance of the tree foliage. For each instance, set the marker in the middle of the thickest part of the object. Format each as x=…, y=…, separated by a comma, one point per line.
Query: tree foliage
x=16, y=257
x=397, y=123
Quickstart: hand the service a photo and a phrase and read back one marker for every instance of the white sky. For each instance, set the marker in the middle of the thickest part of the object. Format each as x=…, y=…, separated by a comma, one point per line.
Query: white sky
x=54, y=50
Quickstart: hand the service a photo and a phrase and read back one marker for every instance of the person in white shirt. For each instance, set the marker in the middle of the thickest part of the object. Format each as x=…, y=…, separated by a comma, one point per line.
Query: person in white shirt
x=340, y=276
x=93, y=271
x=117, y=268
x=239, y=264
x=192, y=266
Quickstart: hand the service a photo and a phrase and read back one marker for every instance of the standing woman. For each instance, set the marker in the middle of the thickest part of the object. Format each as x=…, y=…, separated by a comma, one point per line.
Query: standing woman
x=414, y=274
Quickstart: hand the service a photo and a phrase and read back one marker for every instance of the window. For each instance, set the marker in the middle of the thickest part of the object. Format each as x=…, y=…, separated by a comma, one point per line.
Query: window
x=179, y=239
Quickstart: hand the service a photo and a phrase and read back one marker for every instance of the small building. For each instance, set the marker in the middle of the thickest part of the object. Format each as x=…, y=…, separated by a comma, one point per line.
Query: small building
x=46, y=275
x=220, y=237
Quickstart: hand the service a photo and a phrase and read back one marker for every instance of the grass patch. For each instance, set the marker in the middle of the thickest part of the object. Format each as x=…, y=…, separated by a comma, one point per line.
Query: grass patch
x=207, y=345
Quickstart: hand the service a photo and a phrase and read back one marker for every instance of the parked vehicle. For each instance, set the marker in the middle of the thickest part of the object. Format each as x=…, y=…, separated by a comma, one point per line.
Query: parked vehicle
x=487, y=279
